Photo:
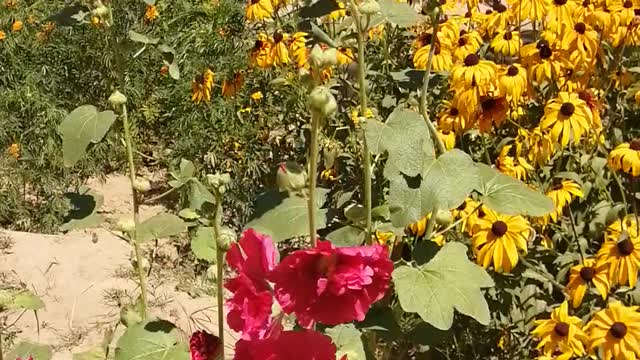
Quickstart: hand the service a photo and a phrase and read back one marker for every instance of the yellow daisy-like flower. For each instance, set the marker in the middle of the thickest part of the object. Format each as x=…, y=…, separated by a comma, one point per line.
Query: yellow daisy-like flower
x=506, y=43
x=339, y=13
x=14, y=151
x=257, y=96
x=201, y=87
x=344, y=56
x=151, y=14
x=473, y=71
x=10, y=4
x=298, y=48
x=16, y=26
x=465, y=211
x=441, y=60
x=329, y=174
x=448, y=137
x=279, y=50
x=567, y=117
x=3, y=35
x=541, y=147
x=581, y=42
x=626, y=157
x=497, y=20
x=544, y=62
x=534, y=10
x=467, y=102
x=515, y=166
x=451, y=118
x=562, y=194
x=467, y=43
x=582, y=276
x=561, y=13
x=493, y=111
x=258, y=10
x=384, y=238
x=262, y=54
x=513, y=83
x=561, y=333
x=615, y=331
x=418, y=228
x=622, y=12
x=498, y=238
x=621, y=252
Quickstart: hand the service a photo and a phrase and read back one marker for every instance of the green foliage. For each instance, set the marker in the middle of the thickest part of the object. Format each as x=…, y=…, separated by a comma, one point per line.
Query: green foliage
x=347, y=236
x=83, y=126
x=25, y=349
x=160, y=226
x=448, y=281
x=26, y=300
x=348, y=341
x=203, y=244
x=84, y=212
x=400, y=14
x=151, y=340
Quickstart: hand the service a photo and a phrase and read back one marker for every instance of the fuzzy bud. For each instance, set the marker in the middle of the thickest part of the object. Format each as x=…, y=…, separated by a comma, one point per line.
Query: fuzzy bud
x=330, y=57
x=126, y=225
x=370, y=7
x=316, y=57
x=226, y=238
x=141, y=185
x=443, y=217
x=322, y=102
x=117, y=98
x=291, y=177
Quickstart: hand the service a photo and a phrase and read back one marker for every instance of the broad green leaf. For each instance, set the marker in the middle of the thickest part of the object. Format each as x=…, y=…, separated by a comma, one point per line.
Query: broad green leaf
x=83, y=126
x=84, y=210
x=137, y=37
x=374, y=131
x=174, y=71
x=289, y=218
x=188, y=214
x=164, y=48
x=346, y=236
x=449, y=281
x=348, y=341
x=6, y=299
x=160, y=226
x=509, y=196
x=25, y=349
x=397, y=13
x=26, y=300
x=408, y=143
x=151, y=340
x=203, y=244
x=199, y=195
x=445, y=182
x=96, y=353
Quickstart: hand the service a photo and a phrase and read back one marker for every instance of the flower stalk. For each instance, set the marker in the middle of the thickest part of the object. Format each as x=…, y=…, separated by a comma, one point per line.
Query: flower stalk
x=313, y=175
x=217, y=220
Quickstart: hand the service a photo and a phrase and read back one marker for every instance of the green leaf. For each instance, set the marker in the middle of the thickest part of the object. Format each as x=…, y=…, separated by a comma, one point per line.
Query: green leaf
x=374, y=131
x=160, y=226
x=174, y=71
x=449, y=281
x=401, y=14
x=26, y=300
x=84, y=210
x=346, y=236
x=188, y=214
x=137, y=37
x=348, y=341
x=509, y=196
x=164, y=48
x=406, y=139
x=203, y=244
x=150, y=2
x=288, y=217
x=445, y=182
x=321, y=35
x=199, y=195
x=96, y=353
x=26, y=349
x=82, y=126
x=151, y=340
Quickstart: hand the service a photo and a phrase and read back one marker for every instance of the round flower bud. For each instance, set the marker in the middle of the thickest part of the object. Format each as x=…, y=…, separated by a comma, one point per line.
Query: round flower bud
x=117, y=98
x=291, y=177
x=126, y=225
x=214, y=180
x=322, y=101
x=443, y=217
x=141, y=185
x=370, y=7
x=226, y=237
x=330, y=57
x=330, y=107
x=316, y=57
x=144, y=263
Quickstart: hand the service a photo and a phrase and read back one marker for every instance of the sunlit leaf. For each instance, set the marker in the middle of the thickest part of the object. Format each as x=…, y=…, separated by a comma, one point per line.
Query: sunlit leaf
x=25, y=349
x=83, y=126
x=26, y=300
x=348, y=341
x=137, y=37
x=346, y=236
x=151, y=340
x=160, y=226
x=203, y=244
x=399, y=13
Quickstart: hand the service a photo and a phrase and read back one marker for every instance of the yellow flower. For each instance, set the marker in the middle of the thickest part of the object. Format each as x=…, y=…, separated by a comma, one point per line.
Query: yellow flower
x=473, y=71
x=231, y=86
x=3, y=35
x=562, y=333
x=258, y=10
x=497, y=239
x=201, y=87
x=585, y=275
x=561, y=13
x=384, y=238
x=451, y=118
x=96, y=21
x=581, y=42
x=10, y=4
x=513, y=83
x=540, y=146
x=497, y=20
x=448, y=137
x=262, y=54
x=534, y=10
x=151, y=14
x=14, y=151
x=636, y=96
x=355, y=115
x=626, y=157
x=465, y=211
x=256, y=96
x=329, y=174
x=279, y=51
x=543, y=61
x=339, y=13
x=441, y=60
x=567, y=117
x=616, y=332
x=493, y=111
x=468, y=43
x=418, y=228
x=515, y=166
x=344, y=56
x=507, y=43
x=16, y=26
x=621, y=252
x=298, y=48
x=562, y=194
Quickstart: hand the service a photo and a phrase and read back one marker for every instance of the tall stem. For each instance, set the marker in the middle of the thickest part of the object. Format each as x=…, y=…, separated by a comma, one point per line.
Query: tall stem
x=136, y=207
x=313, y=175
x=362, y=85
x=217, y=220
x=1, y=356
x=425, y=84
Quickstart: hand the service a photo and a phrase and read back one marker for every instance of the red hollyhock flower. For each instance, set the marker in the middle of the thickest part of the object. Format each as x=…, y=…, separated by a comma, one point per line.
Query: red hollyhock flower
x=289, y=345
x=204, y=346
x=332, y=285
x=249, y=308
x=254, y=254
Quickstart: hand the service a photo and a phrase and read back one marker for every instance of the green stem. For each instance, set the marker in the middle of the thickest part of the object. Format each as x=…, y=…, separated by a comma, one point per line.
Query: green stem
x=425, y=85
x=313, y=176
x=431, y=223
x=441, y=232
x=1, y=356
x=136, y=210
x=622, y=192
x=217, y=221
x=583, y=255
x=533, y=268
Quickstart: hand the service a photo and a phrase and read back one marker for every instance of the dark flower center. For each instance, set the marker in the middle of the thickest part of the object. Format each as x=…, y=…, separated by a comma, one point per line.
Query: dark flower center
x=580, y=28
x=462, y=41
x=437, y=50
x=463, y=32
x=636, y=12
x=253, y=2
x=625, y=247
x=561, y=329
x=258, y=44
x=587, y=273
x=462, y=206
x=425, y=39
x=489, y=104
x=481, y=213
x=508, y=35
x=586, y=3
x=542, y=43
x=499, y=228
x=545, y=52
x=488, y=12
x=560, y=2
x=618, y=330
x=471, y=60
x=501, y=8
x=585, y=96
x=453, y=112
x=467, y=14
x=277, y=37
x=635, y=144
x=628, y=4
x=446, y=132
x=512, y=71
x=443, y=2
x=567, y=109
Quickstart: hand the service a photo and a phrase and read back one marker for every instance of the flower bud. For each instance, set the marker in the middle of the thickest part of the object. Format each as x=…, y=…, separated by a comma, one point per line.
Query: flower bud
x=144, y=263
x=141, y=185
x=126, y=225
x=322, y=101
x=291, y=177
x=443, y=217
x=370, y=7
x=117, y=98
x=226, y=237
x=330, y=107
x=316, y=57
x=330, y=57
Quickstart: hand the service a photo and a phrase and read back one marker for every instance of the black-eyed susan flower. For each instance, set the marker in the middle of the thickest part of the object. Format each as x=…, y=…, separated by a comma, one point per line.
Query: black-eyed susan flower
x=298, y=48
x=14, y=151
x=450, y=117
x=573, y=81
x=561, y=13
x=545, y=63
x=534, y=10
x=338, y=13
x=441, y=60
x=541, y=147
x=581, y=42
x=474, y=216
x=615, y=332
x=384, y=237
x=467, y=102
x=584, y=276
x=17, y=26
x=448, y=138
x=498, y=239
x=3, y=35
x=506, y=43
x=498, y=19
x=257, y=96
x=473, y=72
x=493, y=111
x=464, y=211
x=329, y=175
x=622, y=11
x=512, y=83
x=418, y=228
x=562, y=194
x=562, y=333
x=201, y=87
x=279, y=50
x=515, y=166
x=621, y=252
x=467, y=43
x=231, y=86
x=150, y=14
x=567, y=117
x=626, y=157
x=258, y=10
x=344, y=56
x=262, y=54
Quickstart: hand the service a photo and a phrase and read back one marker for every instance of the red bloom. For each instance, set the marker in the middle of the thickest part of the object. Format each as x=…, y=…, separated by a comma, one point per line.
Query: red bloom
x=254, y=254
x=332, y=285
x=289, y=345
x=249, y=308
x=203, y=346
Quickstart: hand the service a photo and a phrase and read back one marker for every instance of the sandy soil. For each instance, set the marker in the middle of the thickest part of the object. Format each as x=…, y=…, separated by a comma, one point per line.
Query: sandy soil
x=77, y=275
